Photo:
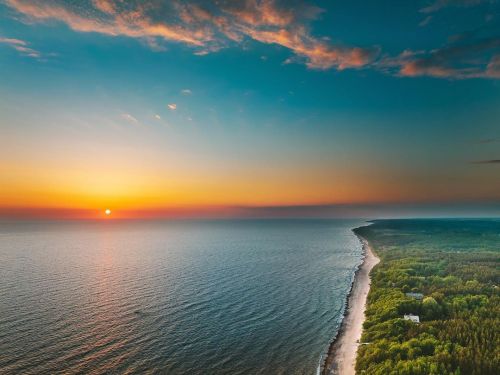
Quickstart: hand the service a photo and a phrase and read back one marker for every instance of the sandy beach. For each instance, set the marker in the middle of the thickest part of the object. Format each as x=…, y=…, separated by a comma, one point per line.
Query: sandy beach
x=342, y=352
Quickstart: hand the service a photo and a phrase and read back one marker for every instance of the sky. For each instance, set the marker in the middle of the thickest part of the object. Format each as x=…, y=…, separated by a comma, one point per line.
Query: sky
x=249, y=108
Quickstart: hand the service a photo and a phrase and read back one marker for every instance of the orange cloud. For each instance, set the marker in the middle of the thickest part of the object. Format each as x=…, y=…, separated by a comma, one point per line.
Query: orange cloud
x=493, y=67
x=207, y=26
x=319, y=55
x=261, y=13
x=472, y=59
x=106, y=6
x=133, y=23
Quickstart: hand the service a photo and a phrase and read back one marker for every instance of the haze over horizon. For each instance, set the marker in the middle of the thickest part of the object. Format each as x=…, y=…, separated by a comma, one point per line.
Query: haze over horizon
x=249, y=108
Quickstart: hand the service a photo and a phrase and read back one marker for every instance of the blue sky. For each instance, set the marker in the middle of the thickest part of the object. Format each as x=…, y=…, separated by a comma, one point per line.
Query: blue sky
x=256, y=95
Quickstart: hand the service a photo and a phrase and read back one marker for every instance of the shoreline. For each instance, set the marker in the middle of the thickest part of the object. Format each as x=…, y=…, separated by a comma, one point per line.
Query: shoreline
x=341, y=355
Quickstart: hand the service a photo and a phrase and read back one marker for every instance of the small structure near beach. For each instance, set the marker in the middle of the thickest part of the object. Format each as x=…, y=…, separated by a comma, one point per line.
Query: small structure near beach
x=413, y=318
x=418, y=296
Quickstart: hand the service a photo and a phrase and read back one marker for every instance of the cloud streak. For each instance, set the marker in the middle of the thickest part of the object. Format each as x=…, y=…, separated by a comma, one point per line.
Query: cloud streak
x=128, y=117
x=437, y=5
x=471, y=59
x=20, y=46
x=206, y=26
x=491, y=161
x=489, y=140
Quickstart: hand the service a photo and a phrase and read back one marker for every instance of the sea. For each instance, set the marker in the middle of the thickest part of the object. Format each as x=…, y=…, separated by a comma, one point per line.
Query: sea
x=173, y=297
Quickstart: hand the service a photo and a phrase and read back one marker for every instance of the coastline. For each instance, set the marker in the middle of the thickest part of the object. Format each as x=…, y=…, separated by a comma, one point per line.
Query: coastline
x=341, y=356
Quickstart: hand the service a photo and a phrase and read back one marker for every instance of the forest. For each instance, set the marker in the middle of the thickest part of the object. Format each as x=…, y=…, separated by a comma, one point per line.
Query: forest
x=447, y=273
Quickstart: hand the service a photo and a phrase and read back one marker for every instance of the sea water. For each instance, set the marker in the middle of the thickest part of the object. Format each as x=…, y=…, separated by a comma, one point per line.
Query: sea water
x=173, y=297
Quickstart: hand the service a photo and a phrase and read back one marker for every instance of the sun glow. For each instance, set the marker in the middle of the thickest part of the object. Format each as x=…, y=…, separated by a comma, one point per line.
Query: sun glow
x=107, y=212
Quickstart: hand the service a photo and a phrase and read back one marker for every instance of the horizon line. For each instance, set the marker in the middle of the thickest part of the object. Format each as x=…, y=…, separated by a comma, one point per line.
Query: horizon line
x=490, y=208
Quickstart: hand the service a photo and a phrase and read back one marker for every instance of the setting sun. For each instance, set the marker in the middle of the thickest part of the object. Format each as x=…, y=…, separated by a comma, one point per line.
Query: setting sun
x=107, y=212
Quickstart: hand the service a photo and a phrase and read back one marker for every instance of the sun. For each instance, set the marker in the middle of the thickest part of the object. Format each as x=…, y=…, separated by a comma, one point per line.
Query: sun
x=107, y=212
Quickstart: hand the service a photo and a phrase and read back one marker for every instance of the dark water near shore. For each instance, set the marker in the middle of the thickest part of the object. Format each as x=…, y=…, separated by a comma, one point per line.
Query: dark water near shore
x=220, y=297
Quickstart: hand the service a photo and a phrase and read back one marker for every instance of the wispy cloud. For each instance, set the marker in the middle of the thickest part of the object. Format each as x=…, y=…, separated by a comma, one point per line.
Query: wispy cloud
x=469, y=59
x=207, y=26
x=425, y=21
x=128, y=117
x=158, y=117
x=172, y=106
x=317, y=53
x=489, y=140
x=437, y=5
x=186, y=92
x=20, y=46
x=491, y=161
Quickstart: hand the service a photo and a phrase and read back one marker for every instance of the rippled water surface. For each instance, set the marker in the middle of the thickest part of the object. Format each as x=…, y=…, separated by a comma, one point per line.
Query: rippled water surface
x=220, y=297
